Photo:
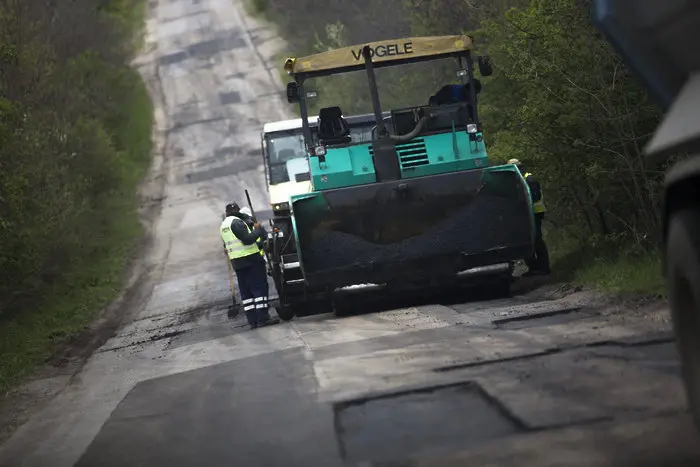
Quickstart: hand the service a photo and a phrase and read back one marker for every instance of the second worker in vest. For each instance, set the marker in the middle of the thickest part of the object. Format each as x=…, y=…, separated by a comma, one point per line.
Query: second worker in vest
x=539, y=263
x=248, y=261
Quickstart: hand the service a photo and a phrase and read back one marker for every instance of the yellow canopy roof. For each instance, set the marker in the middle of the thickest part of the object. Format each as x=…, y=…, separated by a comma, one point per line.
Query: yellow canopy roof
x=382, y=51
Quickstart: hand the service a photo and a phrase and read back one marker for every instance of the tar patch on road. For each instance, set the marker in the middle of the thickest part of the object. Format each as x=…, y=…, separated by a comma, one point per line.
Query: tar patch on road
x=659, y=356
x=211, y=47
x=226, y=171
x=211, y=327
x=256, y=412
x=204, y=49
x=391, y=428
x=226, y=152
x=275, y=94
x=227, y=98
x=547, y=318
x=158, y=328
x=620, y=345
x=173, y=59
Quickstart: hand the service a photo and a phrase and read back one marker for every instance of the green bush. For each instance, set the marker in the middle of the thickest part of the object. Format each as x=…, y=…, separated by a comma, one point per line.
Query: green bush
x=259, y=6
x=75, y=140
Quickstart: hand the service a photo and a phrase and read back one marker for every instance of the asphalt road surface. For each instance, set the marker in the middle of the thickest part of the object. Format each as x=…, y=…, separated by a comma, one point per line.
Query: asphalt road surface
x=540, y=379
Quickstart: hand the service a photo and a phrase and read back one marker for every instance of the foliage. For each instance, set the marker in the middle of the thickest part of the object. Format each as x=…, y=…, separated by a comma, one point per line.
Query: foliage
x=75, y=124
x=578, y=118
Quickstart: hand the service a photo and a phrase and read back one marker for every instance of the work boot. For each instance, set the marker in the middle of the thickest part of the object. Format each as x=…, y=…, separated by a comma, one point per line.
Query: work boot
x=269, y=322
x=252, y=318
x=262, y=316
x=265, y=319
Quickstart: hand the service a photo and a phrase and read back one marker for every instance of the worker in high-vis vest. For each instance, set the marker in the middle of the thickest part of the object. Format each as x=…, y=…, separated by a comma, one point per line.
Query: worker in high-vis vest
x=247, y=215
x=247, y=258
x=539, y=263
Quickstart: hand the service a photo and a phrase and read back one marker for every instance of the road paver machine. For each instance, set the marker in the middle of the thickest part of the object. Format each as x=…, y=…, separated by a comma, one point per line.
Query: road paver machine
x=414, y=200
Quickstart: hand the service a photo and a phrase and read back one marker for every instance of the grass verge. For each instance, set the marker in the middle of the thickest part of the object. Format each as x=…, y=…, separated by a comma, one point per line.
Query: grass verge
x=30, y=339
x=609, y=266
x=637, y=274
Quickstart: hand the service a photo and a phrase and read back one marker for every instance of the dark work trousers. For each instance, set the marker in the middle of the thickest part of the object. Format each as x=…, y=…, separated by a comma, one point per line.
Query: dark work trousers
x=540, y=261
x=252, y=283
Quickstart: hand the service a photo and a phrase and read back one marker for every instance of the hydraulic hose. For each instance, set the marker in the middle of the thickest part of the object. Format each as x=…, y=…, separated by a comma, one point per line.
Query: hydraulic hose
x=413, y=133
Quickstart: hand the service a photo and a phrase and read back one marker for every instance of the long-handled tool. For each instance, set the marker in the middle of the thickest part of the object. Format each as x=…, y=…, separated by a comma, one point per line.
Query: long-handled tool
x=252, y=215
x=250, y=205
x=235, y=307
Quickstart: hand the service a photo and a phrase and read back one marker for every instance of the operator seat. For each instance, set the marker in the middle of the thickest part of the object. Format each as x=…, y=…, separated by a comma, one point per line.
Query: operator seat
x=332, y=127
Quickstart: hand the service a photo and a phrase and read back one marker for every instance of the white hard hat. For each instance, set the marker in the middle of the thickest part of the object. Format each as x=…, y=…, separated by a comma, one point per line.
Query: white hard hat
x=246, y=210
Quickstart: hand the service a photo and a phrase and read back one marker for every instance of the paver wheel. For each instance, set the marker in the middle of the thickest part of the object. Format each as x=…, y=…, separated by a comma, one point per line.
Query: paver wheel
x=344, y=305
x=500, y=287
x=683, y=275
x=286, y=313
x=503, y=287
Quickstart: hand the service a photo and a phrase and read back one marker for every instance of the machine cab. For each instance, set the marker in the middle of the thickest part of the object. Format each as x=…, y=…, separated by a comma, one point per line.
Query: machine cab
x=286, y=162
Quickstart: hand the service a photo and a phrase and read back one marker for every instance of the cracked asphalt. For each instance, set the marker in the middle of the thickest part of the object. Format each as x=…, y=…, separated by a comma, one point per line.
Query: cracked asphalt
x=545, y=378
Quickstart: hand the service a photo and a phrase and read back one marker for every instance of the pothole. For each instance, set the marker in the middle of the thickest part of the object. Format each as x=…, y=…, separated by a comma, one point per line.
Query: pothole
x=425, y=421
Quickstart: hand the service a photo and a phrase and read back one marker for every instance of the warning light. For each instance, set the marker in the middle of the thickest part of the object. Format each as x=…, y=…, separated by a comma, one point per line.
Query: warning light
x=289, y=65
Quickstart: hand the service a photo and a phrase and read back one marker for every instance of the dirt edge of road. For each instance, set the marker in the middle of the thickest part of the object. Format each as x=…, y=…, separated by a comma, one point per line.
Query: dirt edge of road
x=50, y=379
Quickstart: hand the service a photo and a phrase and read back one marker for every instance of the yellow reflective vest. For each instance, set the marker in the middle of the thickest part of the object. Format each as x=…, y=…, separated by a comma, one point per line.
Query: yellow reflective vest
x=234, y=247
x=538, y=207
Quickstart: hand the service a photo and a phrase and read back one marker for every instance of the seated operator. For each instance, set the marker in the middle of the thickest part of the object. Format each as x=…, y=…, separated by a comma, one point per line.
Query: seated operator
x=453, y=94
